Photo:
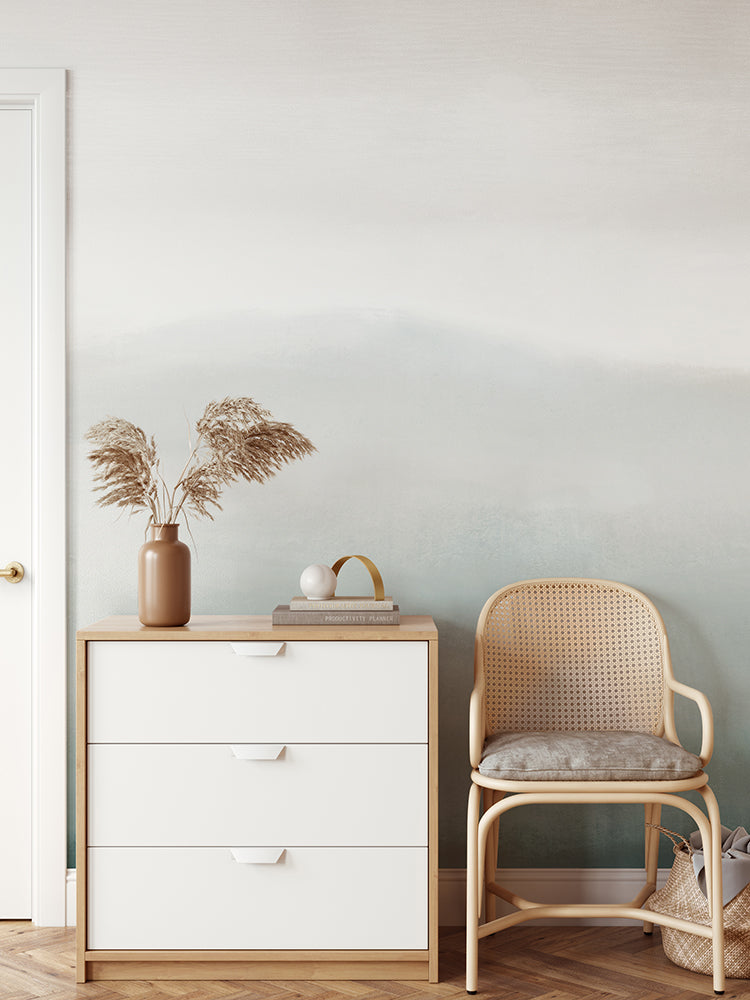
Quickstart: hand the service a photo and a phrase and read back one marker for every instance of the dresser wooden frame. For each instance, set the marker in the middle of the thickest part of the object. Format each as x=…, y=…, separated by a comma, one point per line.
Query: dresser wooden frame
x=254, y=964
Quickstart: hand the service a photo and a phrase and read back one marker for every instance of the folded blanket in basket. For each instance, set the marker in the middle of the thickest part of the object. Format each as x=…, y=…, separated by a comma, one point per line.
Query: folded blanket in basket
x=735, y=861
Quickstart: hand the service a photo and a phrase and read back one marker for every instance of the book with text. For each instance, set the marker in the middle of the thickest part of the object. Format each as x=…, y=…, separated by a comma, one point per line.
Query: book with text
x=341, y=604
x=283, y=615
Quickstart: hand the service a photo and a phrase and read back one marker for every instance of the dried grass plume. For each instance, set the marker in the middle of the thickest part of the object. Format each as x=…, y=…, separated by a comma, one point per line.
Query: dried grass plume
x=237, y=439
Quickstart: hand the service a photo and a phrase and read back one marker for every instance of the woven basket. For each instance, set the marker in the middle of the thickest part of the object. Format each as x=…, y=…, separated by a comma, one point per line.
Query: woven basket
x=681, y=897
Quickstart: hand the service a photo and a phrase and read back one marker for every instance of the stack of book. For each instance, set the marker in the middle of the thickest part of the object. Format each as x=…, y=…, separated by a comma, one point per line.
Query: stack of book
x=337, y=611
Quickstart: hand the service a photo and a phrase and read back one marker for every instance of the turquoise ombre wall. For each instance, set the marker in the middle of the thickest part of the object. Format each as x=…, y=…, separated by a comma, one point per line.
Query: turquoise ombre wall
x=491, y=257
x=459, y=464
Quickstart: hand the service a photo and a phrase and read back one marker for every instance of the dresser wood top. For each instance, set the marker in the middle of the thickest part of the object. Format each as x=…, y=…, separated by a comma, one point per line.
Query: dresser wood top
x=247, y=628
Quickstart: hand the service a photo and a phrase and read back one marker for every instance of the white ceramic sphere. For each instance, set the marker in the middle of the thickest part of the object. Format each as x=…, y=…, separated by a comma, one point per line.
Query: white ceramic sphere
x=318, y=582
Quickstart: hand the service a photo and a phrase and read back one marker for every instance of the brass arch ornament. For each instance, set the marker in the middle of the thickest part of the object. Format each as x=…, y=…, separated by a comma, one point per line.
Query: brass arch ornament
x=377, y=579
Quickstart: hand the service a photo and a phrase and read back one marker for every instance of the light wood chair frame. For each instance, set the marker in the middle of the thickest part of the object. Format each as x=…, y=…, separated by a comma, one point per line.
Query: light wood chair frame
x=490, y=798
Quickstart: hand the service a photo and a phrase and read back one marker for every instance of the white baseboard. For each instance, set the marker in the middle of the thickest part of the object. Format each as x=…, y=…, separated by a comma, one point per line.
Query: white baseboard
x=553, y=885
x=70, y=898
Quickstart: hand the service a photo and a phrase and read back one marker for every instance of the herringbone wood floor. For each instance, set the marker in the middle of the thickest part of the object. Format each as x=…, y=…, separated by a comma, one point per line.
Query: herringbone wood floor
x=526, y=963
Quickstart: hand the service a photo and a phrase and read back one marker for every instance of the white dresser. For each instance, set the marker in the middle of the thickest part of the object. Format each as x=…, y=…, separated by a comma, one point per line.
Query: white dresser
x=257, y=802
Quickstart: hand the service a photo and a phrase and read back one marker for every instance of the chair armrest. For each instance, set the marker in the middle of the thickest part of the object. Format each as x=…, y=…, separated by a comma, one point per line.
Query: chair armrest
x=707, y=718
x=476, y=725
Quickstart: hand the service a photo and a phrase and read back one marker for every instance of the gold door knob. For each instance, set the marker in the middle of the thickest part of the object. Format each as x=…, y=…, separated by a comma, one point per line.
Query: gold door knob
x=13, y=572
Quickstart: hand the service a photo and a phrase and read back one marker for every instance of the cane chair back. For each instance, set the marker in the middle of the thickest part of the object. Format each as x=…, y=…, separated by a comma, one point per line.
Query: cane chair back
x=572, y=655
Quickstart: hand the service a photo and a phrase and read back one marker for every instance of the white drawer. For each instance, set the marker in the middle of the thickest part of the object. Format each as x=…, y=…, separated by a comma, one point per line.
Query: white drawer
x=301, y=794
x=174, y=898
x=308, y=692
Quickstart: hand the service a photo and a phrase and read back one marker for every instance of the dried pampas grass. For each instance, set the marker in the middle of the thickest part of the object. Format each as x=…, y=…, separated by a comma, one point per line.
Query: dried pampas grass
x=237, y=439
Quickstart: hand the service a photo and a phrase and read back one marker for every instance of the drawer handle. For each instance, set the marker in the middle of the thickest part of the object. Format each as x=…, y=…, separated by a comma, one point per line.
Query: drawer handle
x=257, y=648
x=257, y=751
x=257, y=855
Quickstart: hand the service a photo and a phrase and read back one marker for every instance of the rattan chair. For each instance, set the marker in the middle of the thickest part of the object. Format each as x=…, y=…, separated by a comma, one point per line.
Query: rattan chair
x=573, y=701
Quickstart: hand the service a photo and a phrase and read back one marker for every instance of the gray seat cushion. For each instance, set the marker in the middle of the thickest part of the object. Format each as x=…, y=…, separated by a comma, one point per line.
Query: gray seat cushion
x=584, y=756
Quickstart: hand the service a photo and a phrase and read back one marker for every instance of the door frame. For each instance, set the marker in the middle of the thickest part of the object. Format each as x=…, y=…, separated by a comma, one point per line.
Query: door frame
x=43, y=92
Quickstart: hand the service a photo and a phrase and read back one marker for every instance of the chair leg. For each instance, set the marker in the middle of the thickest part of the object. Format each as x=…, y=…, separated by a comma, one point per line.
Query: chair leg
x=714, y=886
x=472, y=889
x=490, y=857
x=653, y=815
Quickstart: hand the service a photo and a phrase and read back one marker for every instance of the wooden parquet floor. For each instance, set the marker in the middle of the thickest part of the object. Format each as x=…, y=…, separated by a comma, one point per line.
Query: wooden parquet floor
x=524, y=963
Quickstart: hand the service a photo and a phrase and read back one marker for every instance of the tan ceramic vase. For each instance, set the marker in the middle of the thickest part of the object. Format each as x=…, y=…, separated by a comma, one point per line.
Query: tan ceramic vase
x=164, y=578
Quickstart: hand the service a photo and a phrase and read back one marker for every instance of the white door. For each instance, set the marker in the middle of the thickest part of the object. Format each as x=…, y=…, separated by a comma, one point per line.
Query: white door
x=32, y=495
x=16, y=289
